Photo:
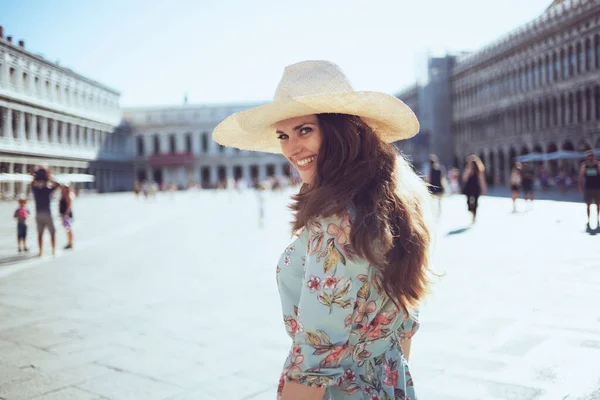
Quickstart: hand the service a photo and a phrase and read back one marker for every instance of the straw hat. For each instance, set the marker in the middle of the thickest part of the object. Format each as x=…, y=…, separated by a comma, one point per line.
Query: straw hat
x=315, y=87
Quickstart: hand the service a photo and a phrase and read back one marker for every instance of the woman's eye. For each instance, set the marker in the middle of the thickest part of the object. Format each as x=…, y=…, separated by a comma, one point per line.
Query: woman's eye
x=305, y=130
x=282, y=136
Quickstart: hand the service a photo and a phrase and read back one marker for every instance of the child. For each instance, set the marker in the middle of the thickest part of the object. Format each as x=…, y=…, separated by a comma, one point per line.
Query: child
x=21, y=215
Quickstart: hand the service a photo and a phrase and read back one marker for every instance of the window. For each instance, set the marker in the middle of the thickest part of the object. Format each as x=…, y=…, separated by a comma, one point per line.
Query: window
x=555, y=75
x=25, y=81
x=581, y=61
x=555, y=111
x=597, y=46
x=172, y=144
x=221, y=148
x=204, y=142
x=579, y=110
x=597, y=97
x=589, y=50
x=13, y=76
x=140, y=146
x=188, y=143
x=571, y=109
x=156, y=142
x=565, y=64
x=563, y=111
x=588, y=105
x=572, y=61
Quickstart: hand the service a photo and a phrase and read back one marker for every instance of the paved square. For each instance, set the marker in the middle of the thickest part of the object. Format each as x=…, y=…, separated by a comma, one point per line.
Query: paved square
x=175, y=298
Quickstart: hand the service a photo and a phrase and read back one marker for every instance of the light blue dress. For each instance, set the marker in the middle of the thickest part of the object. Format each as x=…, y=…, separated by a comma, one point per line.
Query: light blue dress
x=345, y=330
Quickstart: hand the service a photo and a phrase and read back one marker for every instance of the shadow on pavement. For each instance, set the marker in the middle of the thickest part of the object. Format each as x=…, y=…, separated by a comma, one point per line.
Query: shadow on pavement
x=14, y=259
x=571, y=196
x=458, y=231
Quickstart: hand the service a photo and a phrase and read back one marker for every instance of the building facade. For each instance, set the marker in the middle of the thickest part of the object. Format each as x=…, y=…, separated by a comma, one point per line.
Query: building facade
x=535, y=90
x=173, y=145
x=49, y=115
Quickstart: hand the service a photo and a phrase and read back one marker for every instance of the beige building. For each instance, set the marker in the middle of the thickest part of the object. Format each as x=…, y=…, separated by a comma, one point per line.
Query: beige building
x=535, y=90
x=53, y=116
x=173, y=145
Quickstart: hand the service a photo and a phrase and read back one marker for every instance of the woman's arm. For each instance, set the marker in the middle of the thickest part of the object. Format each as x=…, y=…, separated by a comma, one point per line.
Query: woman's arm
x=405, y=345
x=297, y=391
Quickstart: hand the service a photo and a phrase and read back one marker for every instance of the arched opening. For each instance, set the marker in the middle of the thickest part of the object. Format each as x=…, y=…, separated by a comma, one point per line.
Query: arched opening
x=237, y=172
x=205, y=177
x=578, y=108
x=156, y=144
x=588, y=104
x=524, y=150
x=589, y=51
x=568, y=146
x=583, y=145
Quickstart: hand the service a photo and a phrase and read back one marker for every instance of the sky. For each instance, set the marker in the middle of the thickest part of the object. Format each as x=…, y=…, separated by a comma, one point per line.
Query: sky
x=234, y=51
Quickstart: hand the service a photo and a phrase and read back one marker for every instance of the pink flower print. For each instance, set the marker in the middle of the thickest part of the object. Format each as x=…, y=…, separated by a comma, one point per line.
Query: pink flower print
x=287, y=261
x=290, y=250
x=330, y=282
x=391, y=376
x=363, y=310
x=349, y=375
x=314, y=284
x=375, y=397
x=340, y=232
x=296, y=351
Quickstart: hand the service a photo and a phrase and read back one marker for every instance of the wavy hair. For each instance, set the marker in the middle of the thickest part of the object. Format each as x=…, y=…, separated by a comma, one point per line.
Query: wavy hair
x=391, y=204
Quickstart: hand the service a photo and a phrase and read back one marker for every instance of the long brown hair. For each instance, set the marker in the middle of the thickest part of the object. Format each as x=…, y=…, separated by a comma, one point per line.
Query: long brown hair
x=356, y=169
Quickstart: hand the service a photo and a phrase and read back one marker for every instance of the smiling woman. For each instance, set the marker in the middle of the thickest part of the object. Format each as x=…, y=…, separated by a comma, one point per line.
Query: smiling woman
x=300, y=145
x=351, y=280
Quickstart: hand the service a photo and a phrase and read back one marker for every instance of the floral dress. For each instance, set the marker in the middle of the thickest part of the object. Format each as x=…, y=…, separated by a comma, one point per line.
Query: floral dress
x=346, y=332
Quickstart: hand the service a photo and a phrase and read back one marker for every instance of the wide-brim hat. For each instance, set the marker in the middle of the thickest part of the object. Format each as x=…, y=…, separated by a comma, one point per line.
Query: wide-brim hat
x=315, y=87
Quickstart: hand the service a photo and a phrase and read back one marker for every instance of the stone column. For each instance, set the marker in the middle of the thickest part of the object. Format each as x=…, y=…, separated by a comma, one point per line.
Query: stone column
x=44, y=138
x=214, y=177
x=22, y=134
x=262, y=172
x=11, y=185
x=8, y=133
x=72, y=133
x=54, y=131
x=229, y=176
x=33, y=128
x=64, y=134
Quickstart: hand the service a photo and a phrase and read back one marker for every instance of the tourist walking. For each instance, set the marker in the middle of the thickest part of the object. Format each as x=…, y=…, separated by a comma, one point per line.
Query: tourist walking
x=589, y=184
x=474, y=183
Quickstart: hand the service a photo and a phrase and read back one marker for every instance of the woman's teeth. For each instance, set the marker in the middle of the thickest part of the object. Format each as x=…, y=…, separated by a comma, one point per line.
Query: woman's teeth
x=306, y=161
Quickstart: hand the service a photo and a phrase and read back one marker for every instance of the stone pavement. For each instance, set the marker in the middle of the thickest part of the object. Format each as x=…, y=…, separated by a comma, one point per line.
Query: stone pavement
x=175, y=299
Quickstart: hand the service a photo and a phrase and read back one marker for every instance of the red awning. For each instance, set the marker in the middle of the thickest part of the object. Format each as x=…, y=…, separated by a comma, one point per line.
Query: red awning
x=171, y=159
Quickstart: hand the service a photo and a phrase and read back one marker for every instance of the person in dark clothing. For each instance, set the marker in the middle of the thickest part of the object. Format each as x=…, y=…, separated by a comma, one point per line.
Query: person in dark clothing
x=474, y=183
x=65, y=208
x=589, y=184
x=21, y=215
x=43, y=187
x=528, y=182
x=434, y=179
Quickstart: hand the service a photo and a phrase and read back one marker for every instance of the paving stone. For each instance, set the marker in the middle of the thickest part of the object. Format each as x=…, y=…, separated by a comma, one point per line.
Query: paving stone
x=125, y=386
x=71, y=393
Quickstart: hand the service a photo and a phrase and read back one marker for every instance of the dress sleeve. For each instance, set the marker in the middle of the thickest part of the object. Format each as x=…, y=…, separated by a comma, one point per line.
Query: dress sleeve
x=331, y=281
x=410, y=326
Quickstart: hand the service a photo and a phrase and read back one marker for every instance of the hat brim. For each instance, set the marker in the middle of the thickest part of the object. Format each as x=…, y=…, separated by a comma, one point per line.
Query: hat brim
x=253, y=129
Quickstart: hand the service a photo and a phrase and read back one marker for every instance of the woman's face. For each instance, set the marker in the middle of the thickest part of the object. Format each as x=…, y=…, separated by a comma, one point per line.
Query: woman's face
x=300, y=139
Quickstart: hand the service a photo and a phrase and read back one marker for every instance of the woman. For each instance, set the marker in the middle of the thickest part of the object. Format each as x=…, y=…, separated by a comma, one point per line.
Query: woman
x=474, y=183
x=434, y=179
x=352, y=278
x=66, y=214
x=515, y=184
